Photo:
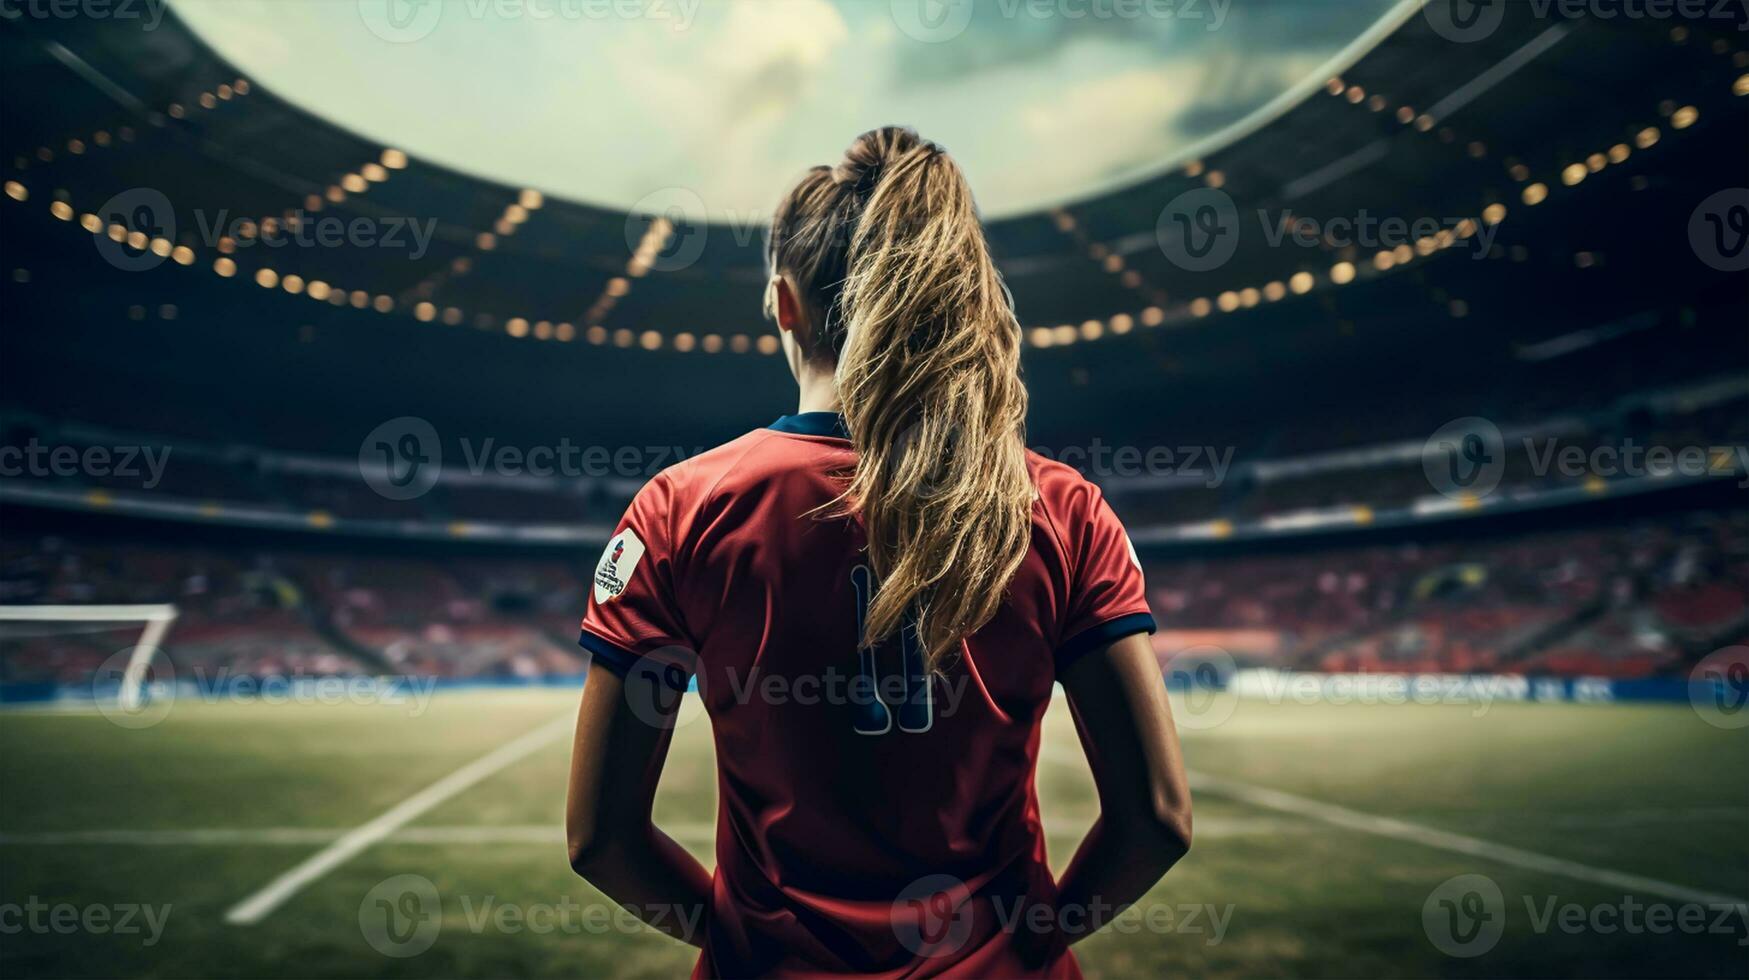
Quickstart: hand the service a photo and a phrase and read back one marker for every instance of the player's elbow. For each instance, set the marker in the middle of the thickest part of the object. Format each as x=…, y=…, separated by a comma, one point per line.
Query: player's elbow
x=586, y=848
x=1170, y=825
x=1154, y=829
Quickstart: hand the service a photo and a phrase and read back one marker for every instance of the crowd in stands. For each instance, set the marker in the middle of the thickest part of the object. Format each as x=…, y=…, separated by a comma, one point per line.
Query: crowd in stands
x=269, y=613
x=1616, y=601
x=1564, y=454
x=1613, y=601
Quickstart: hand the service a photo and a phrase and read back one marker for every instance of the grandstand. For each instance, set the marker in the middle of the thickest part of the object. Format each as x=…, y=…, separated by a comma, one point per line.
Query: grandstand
x=561, y=352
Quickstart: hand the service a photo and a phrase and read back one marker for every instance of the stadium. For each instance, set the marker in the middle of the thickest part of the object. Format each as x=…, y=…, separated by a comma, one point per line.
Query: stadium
x=1408, y=341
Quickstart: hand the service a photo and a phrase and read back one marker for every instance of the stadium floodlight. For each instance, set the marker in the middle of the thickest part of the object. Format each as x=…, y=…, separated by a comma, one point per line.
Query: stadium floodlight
x=156, y=617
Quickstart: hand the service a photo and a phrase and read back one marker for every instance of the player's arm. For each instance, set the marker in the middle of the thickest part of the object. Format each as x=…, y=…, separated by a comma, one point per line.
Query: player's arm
x=616, y=760
x=1119, y=703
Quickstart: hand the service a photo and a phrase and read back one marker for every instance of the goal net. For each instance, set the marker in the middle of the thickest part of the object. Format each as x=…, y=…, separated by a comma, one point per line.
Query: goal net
x=40, y=644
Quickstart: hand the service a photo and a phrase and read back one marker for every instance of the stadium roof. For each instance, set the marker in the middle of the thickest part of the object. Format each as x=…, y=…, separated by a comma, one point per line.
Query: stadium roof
x=285, y=281
x=612, y=103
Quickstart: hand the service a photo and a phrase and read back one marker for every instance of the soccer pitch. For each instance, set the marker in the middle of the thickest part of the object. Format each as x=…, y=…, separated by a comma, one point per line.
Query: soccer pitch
x=1325, y=840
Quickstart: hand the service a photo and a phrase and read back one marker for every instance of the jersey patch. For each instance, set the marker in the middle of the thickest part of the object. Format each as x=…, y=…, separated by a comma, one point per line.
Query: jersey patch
x=617, y=564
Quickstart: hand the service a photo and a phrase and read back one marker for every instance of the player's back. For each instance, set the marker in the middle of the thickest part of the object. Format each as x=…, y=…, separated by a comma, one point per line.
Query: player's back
x=871, y=820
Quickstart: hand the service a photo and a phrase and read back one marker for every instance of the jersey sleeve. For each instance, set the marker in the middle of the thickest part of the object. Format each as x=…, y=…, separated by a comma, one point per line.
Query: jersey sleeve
x=633, y=621
x=1107, y=599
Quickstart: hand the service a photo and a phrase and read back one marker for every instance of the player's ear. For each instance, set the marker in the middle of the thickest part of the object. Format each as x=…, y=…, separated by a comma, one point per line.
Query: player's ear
x=785, y=304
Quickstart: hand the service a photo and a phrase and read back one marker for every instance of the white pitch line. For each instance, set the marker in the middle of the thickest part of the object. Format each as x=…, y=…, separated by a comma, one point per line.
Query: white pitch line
x=1433, y=837
x=1636, y=817
x=180, y=837
x=259, y=905
x=542, y=834
x=1367, y=823
x=1055, y=825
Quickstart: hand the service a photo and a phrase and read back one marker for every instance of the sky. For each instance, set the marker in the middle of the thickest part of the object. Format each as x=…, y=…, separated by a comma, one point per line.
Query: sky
x=717, y=105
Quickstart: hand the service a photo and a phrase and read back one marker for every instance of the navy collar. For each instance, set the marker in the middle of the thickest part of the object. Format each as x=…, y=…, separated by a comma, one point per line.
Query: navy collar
x=813, y=424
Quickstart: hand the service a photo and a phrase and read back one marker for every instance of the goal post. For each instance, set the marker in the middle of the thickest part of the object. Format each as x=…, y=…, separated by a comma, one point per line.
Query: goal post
x=157, y=619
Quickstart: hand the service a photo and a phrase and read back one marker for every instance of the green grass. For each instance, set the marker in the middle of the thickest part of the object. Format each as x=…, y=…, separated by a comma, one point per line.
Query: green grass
x=1651, y=791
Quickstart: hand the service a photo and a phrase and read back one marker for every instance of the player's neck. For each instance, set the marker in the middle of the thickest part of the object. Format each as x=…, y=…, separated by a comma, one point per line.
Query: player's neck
x=819, y=392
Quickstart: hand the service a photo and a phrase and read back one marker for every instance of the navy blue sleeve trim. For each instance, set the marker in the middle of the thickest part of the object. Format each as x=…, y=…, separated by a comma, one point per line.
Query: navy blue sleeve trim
x=1105, y=633
x=621, y=661
x=609, y=655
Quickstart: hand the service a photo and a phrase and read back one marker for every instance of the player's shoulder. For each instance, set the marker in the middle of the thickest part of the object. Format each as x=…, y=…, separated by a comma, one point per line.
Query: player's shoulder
x=694, y=477
x=744, y=463
x=1062, y=489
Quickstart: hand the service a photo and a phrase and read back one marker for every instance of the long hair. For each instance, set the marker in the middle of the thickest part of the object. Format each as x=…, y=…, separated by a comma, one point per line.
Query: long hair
x=889, y=257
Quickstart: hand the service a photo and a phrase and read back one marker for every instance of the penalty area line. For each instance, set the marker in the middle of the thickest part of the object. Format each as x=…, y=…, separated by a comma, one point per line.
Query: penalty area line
x=1442, y=840
x=262, y=904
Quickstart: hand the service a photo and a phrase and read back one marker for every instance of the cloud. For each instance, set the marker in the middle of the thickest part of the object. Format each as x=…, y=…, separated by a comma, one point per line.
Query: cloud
x=608, y=110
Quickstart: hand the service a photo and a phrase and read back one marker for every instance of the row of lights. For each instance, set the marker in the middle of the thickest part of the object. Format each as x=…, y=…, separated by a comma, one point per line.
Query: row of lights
x=511, y=220
x=268, y=278
x=514, y=216
x=139, y=241
x=353, y=182
x=1422, y=122
x=1231, y=301
x=1681, y=117
x=209, y=100
x=1571, y=175
x=350, y=183
x=1274, y=291
x=1345, y=272
x=1112, y=262
x=655, y=239
x=1342, y=273
x=358, y=182
x=103, y=138
x=1302, y=282
x=1107, y=258
x=76, y=146
x=1575, y=173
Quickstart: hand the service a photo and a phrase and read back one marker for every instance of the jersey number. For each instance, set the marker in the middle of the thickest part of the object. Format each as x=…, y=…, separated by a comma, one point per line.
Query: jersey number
x=914, y=702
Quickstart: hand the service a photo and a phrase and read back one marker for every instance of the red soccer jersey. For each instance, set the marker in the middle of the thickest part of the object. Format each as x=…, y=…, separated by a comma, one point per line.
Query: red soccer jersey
x=868, y=822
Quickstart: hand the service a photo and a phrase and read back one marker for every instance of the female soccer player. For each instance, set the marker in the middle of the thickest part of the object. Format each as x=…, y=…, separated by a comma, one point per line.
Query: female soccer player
x=876, y=595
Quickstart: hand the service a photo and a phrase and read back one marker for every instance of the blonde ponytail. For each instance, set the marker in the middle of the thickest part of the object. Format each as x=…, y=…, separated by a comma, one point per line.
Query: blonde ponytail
x=913, y=311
